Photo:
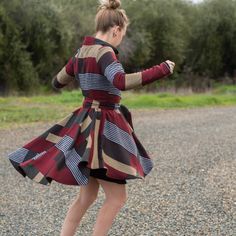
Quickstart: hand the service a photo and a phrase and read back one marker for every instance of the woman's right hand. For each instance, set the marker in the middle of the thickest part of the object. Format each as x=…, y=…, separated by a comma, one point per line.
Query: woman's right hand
x=171, y=65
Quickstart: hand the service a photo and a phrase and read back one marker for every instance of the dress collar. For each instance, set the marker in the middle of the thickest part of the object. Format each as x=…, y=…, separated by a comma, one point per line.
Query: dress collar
x=89, y=40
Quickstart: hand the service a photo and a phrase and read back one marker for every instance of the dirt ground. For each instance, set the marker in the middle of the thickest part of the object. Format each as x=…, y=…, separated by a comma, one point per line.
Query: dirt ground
x=190, y=191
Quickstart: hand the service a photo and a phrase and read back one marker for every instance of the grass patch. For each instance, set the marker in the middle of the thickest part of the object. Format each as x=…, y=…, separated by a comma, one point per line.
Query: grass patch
x=224, y=89
x=177, y=101
x=20, y=110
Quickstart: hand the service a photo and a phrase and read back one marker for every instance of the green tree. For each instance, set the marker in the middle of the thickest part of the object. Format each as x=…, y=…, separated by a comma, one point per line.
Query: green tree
x=36, y=43
x=212, y=44
x=17, y=71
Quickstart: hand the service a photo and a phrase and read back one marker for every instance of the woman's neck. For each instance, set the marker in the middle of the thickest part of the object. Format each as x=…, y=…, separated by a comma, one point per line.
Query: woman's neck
x=107, y=37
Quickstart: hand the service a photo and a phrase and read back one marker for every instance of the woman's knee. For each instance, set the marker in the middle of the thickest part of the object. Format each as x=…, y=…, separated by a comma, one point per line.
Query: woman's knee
x=115, y=194
x=117, y=201
x=87, y=199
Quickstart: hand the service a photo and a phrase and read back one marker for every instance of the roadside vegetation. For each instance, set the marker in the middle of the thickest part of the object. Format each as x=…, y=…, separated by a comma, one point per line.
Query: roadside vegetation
x=26, y=109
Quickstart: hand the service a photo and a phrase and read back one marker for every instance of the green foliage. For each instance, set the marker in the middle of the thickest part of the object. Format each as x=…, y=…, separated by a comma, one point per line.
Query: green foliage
x=33, y=43
x=17, y=71
x=158, y=31
x=37, y=37
x=44, y=37
x=213, y=48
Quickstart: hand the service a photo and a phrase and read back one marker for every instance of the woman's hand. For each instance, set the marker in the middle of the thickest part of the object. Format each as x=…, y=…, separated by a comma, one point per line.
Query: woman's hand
x=171, y=65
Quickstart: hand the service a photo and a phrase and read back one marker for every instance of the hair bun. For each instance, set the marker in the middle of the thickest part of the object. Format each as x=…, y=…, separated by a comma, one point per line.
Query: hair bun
x=114, y=4
x=110, y=4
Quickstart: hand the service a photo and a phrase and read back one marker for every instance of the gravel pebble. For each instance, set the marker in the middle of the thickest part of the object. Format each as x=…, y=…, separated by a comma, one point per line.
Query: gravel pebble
x=190, y=191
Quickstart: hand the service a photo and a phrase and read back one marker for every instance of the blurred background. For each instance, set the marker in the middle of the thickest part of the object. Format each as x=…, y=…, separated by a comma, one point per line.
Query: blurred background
x=37, y=37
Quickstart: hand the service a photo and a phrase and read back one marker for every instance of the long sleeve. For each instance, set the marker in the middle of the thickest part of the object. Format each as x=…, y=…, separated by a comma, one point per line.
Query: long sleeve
x=114, y=72
x=65, y=75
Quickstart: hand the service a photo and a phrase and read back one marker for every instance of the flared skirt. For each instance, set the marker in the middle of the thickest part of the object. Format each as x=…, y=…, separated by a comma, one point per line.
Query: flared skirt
x=92, y=137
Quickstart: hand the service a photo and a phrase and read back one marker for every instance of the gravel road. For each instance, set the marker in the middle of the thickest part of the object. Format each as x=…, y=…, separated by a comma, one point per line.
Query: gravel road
x=191, y=190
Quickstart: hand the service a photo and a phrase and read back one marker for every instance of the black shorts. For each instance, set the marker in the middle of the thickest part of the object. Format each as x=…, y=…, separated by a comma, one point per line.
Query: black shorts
x=101, y=174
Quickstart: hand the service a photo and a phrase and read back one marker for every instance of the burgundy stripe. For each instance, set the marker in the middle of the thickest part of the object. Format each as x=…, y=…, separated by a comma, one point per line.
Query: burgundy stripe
x=103, y=96
x=88, y=65
x=154, y=73
x=70, y=67
x=118, y=120
x=119, y=80
x=38, y=145
x=113, y=173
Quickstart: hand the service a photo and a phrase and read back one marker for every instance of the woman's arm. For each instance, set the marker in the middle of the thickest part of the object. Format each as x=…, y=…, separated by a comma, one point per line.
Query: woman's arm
x=66, y=74
x=115, y=73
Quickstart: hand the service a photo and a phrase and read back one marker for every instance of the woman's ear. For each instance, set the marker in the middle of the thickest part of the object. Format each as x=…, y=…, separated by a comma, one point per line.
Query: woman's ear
x=116, y=29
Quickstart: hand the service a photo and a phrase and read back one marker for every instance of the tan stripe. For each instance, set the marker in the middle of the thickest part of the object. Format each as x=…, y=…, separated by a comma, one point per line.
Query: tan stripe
x=85, y=124
x=89, y=51
x=119, y=166
x=96, y=51
x=64, y=120
x=63, y=77
x=133, y=80
x=89, y=144
x=53, y=138
x=95, y=163
x=95, y=104
x=102, y=51
x=38, y=177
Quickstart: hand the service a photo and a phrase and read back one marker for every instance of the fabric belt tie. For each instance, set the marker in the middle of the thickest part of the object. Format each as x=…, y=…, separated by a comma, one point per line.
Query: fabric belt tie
x=90, y=103
x=87, y=103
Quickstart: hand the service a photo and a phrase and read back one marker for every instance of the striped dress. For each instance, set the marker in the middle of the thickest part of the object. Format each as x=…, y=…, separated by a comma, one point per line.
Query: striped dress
x=98, y=138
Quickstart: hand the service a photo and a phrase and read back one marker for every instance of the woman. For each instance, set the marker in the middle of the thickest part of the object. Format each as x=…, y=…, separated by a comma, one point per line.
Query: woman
x=95, y=145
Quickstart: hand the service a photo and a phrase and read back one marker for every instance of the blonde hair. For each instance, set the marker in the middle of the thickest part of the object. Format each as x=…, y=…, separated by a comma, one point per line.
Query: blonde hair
x=110, y=14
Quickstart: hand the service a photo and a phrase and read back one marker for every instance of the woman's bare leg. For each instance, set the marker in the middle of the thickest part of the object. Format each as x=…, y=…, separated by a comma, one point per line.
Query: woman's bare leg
x=115, y=200
x=79, y=206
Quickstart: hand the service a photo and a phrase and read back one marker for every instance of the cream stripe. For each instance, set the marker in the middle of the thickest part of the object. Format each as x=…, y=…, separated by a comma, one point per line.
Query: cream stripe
x=133, y=80
x=102, y=51
x=89, y=144
x=64, y=120
x=38, y=177
x=118, y=165
x=53, y=138
x=95, y=163
x=63, y=77
x=89, y=51
x=85, y=124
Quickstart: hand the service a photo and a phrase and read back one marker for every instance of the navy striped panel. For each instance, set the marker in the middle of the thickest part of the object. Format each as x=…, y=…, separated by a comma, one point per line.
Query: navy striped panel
x=89, y=81
x=65, y=143
x=19, y=155
x=72, y=160
x=106, y=59
x=112, y=69
x=119, y=136
x=146, y=164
